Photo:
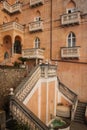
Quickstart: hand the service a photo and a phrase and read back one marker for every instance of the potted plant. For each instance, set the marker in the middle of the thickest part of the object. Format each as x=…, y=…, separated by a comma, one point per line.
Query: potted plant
x=23, y=60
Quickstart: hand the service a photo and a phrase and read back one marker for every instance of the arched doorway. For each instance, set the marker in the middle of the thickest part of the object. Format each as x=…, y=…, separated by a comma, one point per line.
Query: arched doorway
x=17, y=45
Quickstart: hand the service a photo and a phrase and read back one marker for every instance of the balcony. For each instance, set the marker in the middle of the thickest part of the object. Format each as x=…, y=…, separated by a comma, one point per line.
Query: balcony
x=11, y=26
x=36, y=26
x=34, y=3
x=11, y=9
x=70, y=52
x=33, y=53
x=70, y=19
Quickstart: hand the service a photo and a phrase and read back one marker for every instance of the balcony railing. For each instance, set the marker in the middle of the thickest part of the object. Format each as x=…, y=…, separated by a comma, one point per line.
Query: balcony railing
x=12, y=8
x=48, y=70
x=33, y=53
x=36, y=2
x=11, y=26
x=72, y=18
x=36, y=26
x=70, y=52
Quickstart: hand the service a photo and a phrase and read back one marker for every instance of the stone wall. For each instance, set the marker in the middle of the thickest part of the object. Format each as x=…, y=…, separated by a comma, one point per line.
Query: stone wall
x=9, y=78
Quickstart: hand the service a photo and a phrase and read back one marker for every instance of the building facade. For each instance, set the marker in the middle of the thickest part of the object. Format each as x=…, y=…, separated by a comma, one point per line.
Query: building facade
x=48, y=30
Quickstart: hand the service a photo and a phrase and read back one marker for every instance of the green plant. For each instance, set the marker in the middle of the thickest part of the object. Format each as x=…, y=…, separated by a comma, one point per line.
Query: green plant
x=22, y=59
x=20, y=126
x=16, y=64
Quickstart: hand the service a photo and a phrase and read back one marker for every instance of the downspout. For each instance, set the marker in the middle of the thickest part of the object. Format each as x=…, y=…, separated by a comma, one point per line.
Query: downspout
x=51, y=38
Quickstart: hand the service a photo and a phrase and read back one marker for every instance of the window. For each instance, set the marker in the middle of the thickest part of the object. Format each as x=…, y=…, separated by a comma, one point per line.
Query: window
x=71, y=40
x=17, y=47
x=37, y=43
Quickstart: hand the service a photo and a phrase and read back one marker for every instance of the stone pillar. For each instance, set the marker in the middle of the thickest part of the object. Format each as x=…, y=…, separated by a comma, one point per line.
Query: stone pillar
x=13, y=41
x=2, y=120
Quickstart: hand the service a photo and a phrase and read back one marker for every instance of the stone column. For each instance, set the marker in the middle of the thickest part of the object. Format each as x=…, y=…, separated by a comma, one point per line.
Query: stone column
x=13, y=41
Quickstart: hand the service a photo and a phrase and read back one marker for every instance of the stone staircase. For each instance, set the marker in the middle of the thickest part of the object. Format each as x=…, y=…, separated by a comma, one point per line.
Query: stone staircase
x=18, y=109
x=80, y=112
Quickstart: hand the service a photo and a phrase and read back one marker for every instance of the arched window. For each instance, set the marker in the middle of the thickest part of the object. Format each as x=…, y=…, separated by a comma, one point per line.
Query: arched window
x=6, y=55
x=38, y=16
x=17, y=47
x=37, y=43
x=71, y=7
x=71, y=40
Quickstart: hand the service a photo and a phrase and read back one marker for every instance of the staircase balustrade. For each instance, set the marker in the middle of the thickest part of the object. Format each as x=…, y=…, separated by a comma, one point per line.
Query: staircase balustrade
x=18, y=109
x=67, y=92
x=70, y=95
x=26, y=86
x=74, y=107
x=24, y=115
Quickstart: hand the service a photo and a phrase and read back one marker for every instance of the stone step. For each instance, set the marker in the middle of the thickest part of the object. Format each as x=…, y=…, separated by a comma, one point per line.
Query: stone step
x=79, y=121
x=80, y=113
x=82, y=104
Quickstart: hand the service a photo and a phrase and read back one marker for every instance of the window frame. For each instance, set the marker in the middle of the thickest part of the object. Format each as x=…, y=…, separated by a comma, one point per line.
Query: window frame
x=72, y=39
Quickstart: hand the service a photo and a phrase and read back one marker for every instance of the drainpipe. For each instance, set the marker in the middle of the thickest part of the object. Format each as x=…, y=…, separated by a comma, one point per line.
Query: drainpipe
x=51, y=38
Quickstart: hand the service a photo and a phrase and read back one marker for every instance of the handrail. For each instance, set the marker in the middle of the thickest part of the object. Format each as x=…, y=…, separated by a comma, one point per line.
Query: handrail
x=28, y=83
x=67, y=92
x=74, y=107
x=18, y=109
x=23, y=114
x=73, y=97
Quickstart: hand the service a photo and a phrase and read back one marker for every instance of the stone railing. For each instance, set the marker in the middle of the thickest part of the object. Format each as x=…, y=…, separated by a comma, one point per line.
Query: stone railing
x=36, y=2
x=29, y=82
x=27, y=85
x=48, y=70
x=71, y=96
x=67, y=92
x=33, y=53
x=25, y=116
x=70, y=52
x=11, y=8
x=74, y=107
x=36, y=26
x=11, y=25
x=71, y=18
x=18, y=109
